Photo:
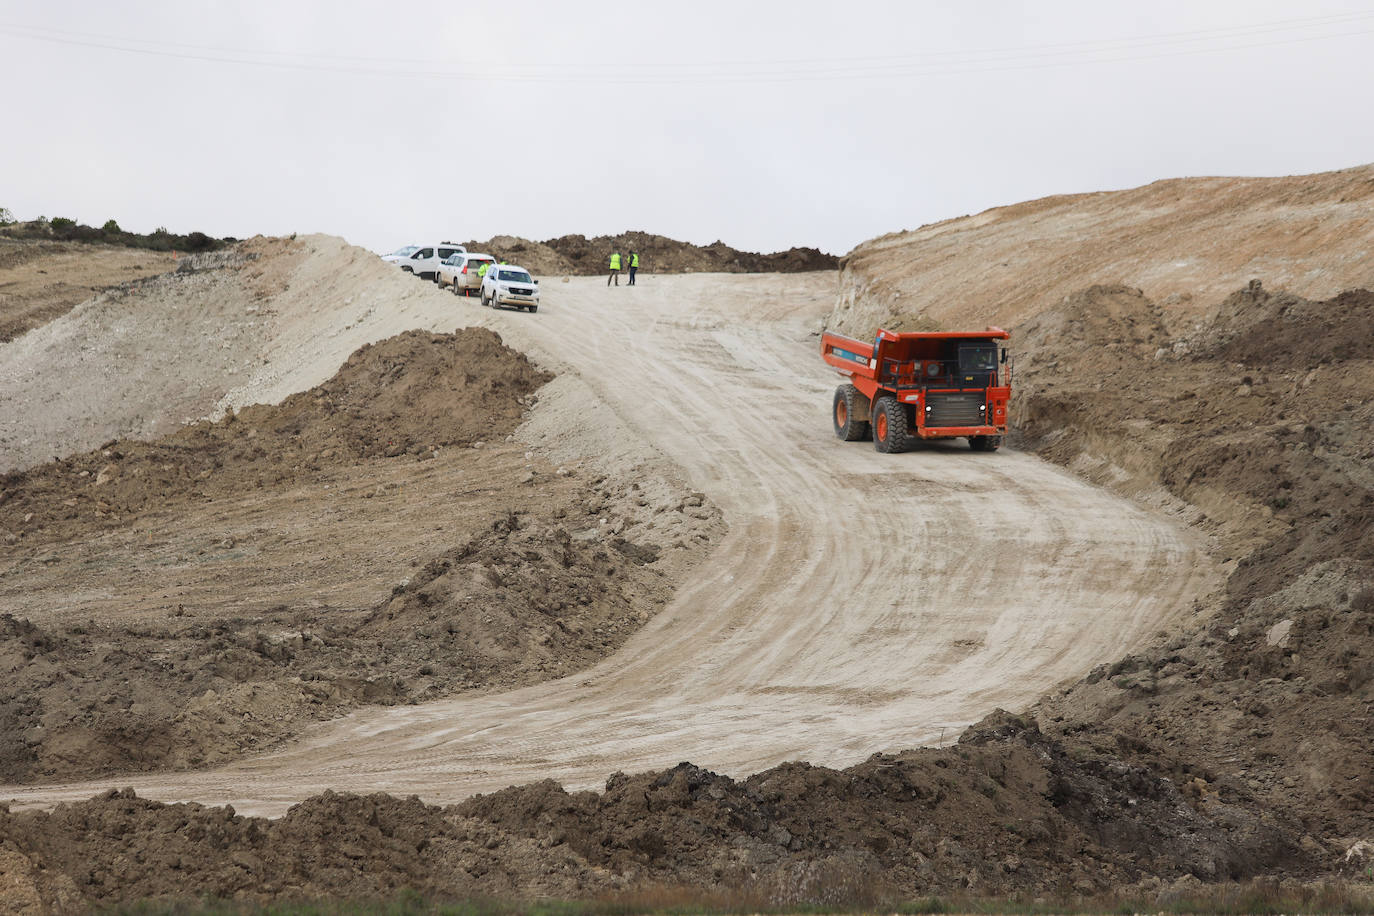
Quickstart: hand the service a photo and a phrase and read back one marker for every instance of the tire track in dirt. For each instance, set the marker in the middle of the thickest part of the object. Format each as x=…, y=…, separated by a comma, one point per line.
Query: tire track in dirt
x=860, y=602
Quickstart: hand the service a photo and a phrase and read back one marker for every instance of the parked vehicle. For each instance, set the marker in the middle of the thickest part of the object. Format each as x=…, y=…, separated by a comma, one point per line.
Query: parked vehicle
x=924, y=385
x=424, y=262
x=506, y=284
x=461, y=272
x=400, y=254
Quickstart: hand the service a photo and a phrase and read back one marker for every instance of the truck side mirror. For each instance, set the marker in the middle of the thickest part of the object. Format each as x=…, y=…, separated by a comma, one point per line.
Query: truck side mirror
x=1004, y=355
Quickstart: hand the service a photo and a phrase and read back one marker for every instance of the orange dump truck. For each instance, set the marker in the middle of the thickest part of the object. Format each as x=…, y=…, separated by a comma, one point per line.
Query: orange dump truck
x=923, y=385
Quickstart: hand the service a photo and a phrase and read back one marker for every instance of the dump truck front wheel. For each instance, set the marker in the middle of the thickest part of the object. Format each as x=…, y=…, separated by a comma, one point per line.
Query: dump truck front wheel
x=889, y=425
x=849, y=407
x=984, y=443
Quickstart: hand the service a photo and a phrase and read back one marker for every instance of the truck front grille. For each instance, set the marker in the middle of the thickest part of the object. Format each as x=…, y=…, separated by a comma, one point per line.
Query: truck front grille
x=954, y=408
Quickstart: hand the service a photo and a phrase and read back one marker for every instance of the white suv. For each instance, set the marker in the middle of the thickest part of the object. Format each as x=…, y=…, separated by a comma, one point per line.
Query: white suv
x=461, y=272
x=506, y=284
x=423, y=262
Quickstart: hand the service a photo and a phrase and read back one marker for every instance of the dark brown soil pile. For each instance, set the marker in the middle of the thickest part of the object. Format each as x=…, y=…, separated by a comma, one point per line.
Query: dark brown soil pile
x=577, y=254
x=1005, y=810
x=1262, y=420
x=504, y=596
x=410, y=394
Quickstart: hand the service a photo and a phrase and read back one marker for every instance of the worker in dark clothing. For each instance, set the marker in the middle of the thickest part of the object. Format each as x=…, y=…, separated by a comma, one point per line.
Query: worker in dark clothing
x=615, y=269
x=634, y=266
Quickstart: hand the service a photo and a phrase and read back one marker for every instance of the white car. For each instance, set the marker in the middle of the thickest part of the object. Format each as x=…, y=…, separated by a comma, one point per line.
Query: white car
x=506, y=284
x=424, y=262
x=461, y=272
x=400, y=254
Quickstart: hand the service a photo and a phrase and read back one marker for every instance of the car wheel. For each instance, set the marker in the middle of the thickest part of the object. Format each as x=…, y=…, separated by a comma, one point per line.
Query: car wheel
x=534, y=308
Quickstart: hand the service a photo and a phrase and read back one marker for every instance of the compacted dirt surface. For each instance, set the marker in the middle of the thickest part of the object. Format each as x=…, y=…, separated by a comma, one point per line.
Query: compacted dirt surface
x=986, y=580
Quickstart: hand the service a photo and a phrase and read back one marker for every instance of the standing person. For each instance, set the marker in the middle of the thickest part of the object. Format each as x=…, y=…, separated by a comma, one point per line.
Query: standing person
x=615, y=269
x=634, y=266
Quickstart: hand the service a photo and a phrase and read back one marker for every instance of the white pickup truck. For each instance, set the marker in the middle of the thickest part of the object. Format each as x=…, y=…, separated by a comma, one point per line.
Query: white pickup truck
x=424, y=261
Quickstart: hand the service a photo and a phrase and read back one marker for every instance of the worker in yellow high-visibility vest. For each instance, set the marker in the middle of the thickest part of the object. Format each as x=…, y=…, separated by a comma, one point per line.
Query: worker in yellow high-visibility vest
x=634, y=266
x=615, y=269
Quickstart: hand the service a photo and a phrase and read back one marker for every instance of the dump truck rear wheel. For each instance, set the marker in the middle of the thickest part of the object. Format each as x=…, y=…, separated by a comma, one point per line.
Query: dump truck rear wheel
x=984, y=443
x=889, y=425
x=846, y=412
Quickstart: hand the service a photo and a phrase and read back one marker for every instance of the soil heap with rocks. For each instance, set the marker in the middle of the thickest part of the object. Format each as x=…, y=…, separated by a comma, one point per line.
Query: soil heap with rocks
x=1260, y=423
x=580, y=256
x=1007, y=810
x=503, y=596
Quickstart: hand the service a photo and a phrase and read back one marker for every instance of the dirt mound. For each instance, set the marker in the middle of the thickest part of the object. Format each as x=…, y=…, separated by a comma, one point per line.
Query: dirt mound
x=512, y=598
x=40, y=281
x=411, y=394
x=577, y=254
x=1185, y=243
x=1258, y=420
x=1006, y=810
x=536, y=257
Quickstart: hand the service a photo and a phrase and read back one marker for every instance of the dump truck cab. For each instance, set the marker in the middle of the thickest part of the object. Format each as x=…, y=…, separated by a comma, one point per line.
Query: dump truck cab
x=924, y=385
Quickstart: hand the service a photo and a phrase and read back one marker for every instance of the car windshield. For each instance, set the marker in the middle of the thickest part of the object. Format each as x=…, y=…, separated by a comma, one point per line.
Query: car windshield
x=402, y=252
x=981, y=358
x=519, y=276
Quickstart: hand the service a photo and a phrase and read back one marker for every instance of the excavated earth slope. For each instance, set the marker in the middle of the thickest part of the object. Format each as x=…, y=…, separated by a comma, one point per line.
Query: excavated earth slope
x=1186, y=243
x=42, y=280
x=1203, y=346
x=796, y=641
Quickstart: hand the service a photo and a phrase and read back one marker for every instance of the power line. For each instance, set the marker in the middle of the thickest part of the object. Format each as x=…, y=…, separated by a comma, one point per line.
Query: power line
x=932, y=63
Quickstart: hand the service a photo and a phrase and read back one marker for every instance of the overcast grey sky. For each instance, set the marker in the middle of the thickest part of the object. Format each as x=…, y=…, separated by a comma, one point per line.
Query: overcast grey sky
x=766, y=124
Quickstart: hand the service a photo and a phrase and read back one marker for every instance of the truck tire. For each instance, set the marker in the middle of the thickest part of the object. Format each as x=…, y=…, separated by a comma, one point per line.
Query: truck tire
x=984, y=443
x=889, y=425
x=845, y=411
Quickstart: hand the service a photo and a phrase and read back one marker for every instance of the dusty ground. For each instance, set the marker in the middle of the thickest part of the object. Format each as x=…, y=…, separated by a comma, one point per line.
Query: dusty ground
x=767, y=655
x=750, y=665
x=1230, y=742
x=40, y=281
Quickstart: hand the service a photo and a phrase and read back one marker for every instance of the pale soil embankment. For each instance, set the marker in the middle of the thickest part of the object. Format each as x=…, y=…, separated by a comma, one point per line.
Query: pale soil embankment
x=1186, y=243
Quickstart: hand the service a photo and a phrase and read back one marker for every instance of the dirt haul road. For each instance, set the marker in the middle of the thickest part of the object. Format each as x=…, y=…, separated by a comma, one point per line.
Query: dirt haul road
x=860, y=602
